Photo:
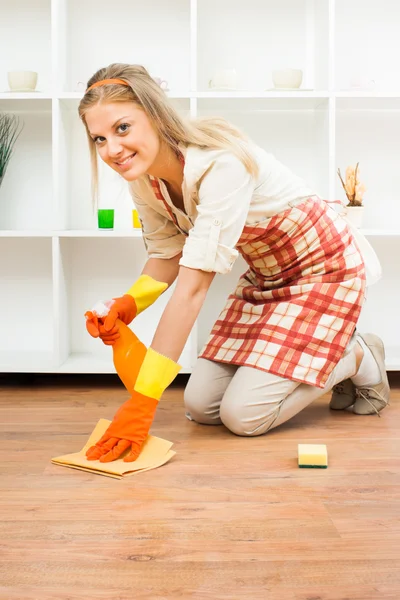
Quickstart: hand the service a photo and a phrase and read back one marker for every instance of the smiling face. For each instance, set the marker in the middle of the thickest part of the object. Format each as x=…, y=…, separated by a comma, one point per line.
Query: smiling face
x=124, y=137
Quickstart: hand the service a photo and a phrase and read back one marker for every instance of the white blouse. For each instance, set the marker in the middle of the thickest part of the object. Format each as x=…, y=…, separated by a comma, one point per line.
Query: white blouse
x=220, y=198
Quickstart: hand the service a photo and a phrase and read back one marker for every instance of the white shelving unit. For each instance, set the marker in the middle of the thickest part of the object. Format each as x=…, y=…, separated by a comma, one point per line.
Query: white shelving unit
x=55, y=263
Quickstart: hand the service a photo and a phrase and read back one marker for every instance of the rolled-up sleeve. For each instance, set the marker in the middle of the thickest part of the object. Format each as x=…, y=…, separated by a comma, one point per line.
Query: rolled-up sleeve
x=224, y=196
x=161, y=237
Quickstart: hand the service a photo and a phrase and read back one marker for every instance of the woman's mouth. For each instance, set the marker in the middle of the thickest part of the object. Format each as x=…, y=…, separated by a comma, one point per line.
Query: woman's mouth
x=126, y=162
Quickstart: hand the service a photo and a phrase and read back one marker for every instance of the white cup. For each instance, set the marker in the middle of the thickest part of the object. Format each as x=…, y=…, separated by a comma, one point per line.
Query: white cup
x=287, y=78
x=163, y=83
x=79, y=86
x=359, y=82
x=22, y=80
x=224, y=79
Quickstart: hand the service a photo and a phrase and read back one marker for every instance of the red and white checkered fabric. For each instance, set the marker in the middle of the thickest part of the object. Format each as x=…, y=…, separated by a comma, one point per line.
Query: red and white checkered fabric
x=296, y=307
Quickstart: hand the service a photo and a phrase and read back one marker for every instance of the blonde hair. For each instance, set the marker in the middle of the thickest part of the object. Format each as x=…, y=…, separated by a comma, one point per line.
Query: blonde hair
x=213, y=133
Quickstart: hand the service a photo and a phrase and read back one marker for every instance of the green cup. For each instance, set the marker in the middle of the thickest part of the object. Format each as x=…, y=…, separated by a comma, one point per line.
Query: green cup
x=105, y=218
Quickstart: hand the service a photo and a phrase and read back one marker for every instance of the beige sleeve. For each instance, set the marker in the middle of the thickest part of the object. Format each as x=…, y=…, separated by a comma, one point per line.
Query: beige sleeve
x=161, y=237
x=224, y=201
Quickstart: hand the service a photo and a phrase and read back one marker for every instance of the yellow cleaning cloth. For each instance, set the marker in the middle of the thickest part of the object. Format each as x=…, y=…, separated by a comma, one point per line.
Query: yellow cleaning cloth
x=155, y=452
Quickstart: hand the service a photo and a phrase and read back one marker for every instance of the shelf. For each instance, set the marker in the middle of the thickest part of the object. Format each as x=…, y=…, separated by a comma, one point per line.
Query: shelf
x=136, y=233
x=381, y=232
x=34, y=100
x=22, y=361
x=21, y=233
x=105, y=233
x=392, y=360
x=88, y=233
x=270, y=94
x=368, y=103
x=85, y=362
x=363, y=94
x=77, y=96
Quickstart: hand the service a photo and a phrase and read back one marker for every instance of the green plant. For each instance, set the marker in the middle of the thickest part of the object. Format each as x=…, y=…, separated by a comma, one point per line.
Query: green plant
x=10, y=129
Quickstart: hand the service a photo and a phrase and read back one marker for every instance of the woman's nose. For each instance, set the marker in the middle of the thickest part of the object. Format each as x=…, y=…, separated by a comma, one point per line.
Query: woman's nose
x=114, y=148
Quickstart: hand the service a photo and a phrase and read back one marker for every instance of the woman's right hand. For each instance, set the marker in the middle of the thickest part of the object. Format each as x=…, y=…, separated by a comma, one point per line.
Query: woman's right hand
x=101, y=319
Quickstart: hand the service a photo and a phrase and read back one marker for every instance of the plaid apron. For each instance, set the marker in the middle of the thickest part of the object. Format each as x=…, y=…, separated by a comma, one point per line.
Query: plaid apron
x=296, y=307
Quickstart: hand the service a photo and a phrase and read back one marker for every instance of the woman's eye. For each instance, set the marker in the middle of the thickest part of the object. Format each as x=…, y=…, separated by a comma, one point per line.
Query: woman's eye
x=123, y=127
x=99, y=139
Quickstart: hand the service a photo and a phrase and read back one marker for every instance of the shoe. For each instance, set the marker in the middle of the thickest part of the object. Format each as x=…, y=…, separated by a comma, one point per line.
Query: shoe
x=343, y=395
x=372, y=399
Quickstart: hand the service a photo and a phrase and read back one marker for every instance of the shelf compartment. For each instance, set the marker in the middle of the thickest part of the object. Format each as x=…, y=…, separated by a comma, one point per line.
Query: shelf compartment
x=26, y=301
x=26, y=40
x=367, y=132
x=367, y=44
x=76, y=209
x=101, y=233
x=380, y=313
x=258, y=36
x=91, y=271
x=26, y=193
x=135, y=33
x=292, y=130
x=90, y=363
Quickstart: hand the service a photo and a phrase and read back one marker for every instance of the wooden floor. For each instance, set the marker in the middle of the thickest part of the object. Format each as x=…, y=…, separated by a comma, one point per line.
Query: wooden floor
x=227, y=518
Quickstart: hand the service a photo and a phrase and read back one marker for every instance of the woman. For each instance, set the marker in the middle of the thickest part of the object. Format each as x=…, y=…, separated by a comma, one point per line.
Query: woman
x=204, y=194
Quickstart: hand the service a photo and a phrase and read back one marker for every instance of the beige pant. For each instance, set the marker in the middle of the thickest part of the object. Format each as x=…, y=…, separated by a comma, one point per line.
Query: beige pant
x=250, y=402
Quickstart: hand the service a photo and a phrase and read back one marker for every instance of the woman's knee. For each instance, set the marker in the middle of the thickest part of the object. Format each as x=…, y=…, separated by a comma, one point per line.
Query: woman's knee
x=205, y=389
x=195, y=400
x=241, y=419
x=252, y=402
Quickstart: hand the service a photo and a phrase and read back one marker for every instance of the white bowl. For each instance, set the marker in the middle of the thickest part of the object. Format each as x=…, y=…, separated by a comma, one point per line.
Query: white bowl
x=22, y=80
x=287, y=78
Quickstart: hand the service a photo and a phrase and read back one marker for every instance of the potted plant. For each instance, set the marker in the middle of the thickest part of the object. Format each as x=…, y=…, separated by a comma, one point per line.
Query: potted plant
x=355, y=191
x=10, y=128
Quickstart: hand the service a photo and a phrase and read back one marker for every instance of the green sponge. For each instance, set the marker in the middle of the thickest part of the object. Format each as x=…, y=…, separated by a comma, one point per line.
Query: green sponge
x=313, y=456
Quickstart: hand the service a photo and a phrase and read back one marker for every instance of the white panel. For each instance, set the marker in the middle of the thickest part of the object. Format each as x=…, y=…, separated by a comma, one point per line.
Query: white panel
x=321, y=42
x=59, y=45
x=26, y=296
x=193, y=44
x=60, y=302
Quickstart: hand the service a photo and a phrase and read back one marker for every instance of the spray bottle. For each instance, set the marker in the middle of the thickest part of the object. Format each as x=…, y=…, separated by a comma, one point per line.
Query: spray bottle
x=128, y=350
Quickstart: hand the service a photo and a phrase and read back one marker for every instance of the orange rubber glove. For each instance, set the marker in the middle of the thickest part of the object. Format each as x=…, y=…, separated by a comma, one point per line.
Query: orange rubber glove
x=140, y=296
x=132, y=421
